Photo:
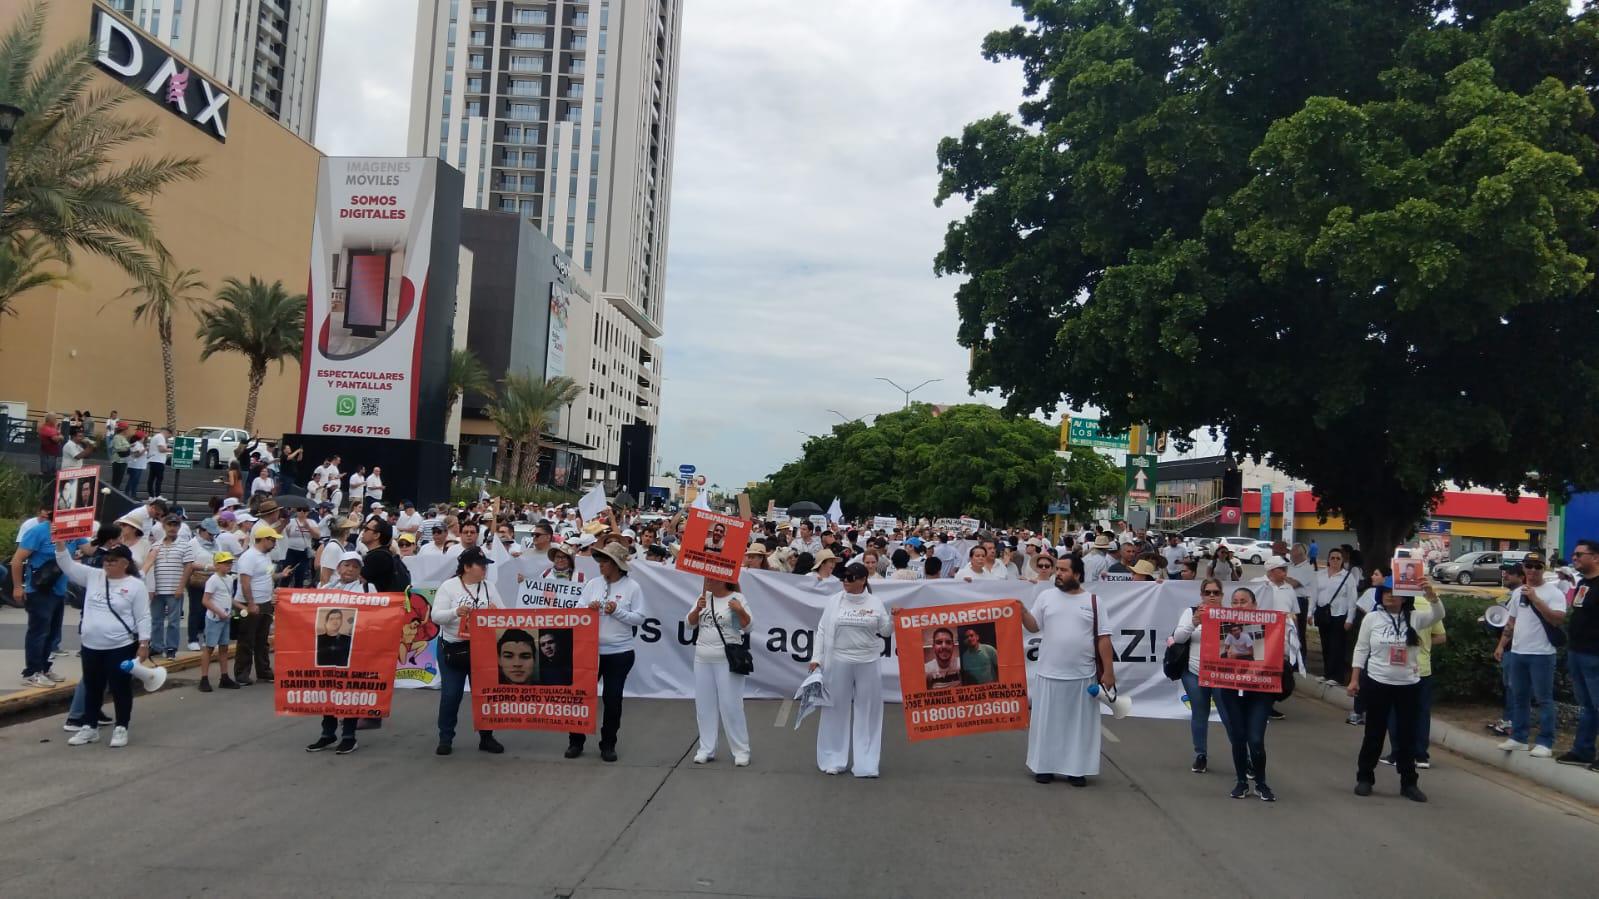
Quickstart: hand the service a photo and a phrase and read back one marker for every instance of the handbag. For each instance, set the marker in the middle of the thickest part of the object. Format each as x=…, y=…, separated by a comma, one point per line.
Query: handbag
x=739, y=659
x=456, y=653
x=1322, y=616
x=1175, y=663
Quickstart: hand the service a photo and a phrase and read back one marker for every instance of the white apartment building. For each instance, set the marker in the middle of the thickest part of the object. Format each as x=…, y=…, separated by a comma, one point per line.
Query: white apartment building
x=562, y=111
x=269, y=51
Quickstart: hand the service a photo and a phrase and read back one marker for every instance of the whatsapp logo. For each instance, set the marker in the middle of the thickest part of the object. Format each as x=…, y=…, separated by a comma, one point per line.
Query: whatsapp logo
x=344, y=405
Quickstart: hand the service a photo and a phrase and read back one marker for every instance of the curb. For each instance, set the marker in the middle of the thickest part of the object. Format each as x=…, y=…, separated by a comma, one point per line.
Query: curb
x=1575, y=782
x=24, y=701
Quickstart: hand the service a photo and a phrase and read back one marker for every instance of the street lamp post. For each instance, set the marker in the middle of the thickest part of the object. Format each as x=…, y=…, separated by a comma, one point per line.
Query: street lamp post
x=912, y=390
x=8, y=126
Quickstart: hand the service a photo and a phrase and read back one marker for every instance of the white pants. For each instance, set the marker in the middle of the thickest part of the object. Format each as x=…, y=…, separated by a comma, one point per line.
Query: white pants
x=856, y=689
x=718, y=690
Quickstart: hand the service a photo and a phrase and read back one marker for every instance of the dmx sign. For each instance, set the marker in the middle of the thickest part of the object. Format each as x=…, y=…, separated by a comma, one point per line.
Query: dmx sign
x=150, y=69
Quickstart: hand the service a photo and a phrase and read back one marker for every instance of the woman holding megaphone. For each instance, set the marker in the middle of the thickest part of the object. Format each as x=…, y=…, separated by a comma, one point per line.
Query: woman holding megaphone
x=114, y=628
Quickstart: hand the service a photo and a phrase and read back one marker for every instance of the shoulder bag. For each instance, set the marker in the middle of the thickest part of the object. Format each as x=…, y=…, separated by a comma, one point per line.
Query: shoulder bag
x=1322, y=616
x=1557, y=637
x=739, y=658
x=1175, y=663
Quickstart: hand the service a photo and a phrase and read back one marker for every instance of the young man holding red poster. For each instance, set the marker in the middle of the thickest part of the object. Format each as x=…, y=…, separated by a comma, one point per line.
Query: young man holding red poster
x=1241, y=659
x=365, y=627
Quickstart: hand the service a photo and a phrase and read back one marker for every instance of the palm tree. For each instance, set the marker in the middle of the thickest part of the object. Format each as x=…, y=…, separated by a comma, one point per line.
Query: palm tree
x=466, y=375
x=174, y=289
x=26, y=262
x=525, y=410
x=70, y=178
x=260, y=322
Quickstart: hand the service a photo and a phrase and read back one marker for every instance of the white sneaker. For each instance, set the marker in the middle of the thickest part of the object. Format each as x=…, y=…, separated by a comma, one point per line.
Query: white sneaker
x=53, y=677
x=832, y=770
x=193, y=646
x=741, y=761
x=702, y=757
x=37, y=680
x=119, y=737
x=1542, y=752
x=85, y=734
x=1512, y=745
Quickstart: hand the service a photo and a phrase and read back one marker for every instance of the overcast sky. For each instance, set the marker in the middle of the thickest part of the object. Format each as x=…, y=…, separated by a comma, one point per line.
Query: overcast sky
x=802, y=222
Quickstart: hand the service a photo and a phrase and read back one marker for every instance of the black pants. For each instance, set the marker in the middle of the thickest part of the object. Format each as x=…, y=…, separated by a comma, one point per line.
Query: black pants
x=330, y=723
x=1334, y=653
x=196, y=612
x=102, y=670
x=613, y=677
x=299, y=562
x=1405, y=704
x=119, y=473
x=1299, y=622
x=158, y=472
x=253, y=631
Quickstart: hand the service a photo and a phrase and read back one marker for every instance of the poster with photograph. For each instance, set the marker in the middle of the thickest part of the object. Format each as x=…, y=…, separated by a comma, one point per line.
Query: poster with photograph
x=1242, y=649
x=535, y=669
x=335, y=652
x=962, y=668
x=77, y=490
x=418, y=664
x=1410, y=576
x=713, y=545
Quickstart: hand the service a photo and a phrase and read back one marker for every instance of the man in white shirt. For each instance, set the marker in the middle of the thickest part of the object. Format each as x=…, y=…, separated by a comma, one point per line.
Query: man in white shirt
x=358, y=488
x=374, y=485
x=807, y=541
x=1097, y=561
x=1273, y=592
x=328, y=472
x=257, y=579
x=1529, y=657
x=948, y=557
x=1063, y=735
x=410, y=520
x=160, y=447
x=1174, y=553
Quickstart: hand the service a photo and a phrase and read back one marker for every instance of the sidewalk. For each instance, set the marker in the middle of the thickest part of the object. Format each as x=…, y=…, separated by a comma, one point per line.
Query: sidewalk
x=1579, y=783
x=26, y=699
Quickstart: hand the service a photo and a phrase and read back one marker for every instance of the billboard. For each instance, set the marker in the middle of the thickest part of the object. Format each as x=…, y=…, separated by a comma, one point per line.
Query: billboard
x=380, y=298
x=555, y=348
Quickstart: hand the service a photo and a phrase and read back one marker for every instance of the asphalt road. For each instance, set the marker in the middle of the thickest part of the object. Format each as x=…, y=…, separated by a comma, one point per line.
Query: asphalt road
x=216, y=795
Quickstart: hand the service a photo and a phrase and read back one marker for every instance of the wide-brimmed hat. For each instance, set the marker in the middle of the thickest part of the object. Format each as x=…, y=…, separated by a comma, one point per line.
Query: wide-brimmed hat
x=756, y=549
x=616, y=553
x=1145, y=568
x=562, y=548
x=267, y=507
x=825, y=555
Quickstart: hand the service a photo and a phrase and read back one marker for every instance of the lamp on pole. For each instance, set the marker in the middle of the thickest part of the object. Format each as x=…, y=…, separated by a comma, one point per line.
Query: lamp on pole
x=8, y=126
x=912, y=390
x=846, y=418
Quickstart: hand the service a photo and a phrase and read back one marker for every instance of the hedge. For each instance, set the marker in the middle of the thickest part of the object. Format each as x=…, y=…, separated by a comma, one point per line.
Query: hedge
x=1464, y=670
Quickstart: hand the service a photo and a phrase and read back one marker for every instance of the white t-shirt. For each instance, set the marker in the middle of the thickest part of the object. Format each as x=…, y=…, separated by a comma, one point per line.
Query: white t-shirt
x=228, y=541
x=1174, y=556
x=298, y=536
x=224, y=589
x=263, y=484
x=374, y=486
x=258, y=565
x=328, y=474
x=357, y=487
x=409, y=521
x=137, y=457
x=988, y=574
x=851, y=629
x=708, y=645
x=71, y=452
x=1270, y=597
x=332, y=551
x=1066, y=621
x=158, y=447
x=1529, y=638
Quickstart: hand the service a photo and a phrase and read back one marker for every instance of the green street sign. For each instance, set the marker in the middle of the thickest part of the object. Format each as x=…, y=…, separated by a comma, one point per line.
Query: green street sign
x=183, y=449
x=1140, y=490
x=1085, y=432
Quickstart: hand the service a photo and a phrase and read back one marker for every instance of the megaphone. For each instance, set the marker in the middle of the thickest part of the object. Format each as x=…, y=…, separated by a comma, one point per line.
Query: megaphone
x=1497, y=616
x=1120, y=706
x=151, y=678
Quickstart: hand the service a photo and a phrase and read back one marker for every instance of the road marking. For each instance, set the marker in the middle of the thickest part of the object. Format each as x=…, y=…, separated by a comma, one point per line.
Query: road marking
x=1108, y=735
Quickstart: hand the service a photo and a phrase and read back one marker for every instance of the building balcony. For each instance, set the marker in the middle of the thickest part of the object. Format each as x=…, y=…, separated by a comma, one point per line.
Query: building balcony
x=635, y=313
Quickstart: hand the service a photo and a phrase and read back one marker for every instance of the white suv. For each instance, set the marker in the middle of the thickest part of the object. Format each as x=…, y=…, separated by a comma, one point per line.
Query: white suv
x=213, y=447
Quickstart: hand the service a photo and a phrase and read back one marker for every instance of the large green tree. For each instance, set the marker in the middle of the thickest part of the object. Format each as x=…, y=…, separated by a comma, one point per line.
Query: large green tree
x=1356, y=237
x=967, y=459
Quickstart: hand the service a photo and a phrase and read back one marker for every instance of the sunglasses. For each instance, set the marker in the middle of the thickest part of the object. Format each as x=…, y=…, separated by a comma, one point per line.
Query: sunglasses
x=1210, y=592
x=852, y=578
x=1535, y=566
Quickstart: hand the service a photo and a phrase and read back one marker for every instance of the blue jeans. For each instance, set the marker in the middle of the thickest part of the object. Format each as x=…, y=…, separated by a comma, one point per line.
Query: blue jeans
x=132, y=488
x=1245, y=716
x=1199, y=701
x=56, y=620
x=1584, y=669
x=43, y=609
x=1532, y=677
x=1510, y=698
x=1423, y=728
x=452, y=683
x=166, y=614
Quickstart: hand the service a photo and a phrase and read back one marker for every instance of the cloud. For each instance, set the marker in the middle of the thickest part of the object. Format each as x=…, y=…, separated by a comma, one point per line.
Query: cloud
x=803, y=228
x=363, y=108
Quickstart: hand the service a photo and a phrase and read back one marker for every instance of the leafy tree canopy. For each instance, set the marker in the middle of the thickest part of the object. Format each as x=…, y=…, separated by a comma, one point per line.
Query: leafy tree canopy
x=967, y=459
x=1355, y=236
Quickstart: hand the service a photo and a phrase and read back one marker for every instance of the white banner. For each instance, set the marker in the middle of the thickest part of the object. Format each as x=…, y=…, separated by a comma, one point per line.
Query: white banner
x=786, y=608
x=371, y=247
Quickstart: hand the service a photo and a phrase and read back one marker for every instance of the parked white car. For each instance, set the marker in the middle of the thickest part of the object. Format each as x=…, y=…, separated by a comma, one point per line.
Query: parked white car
x=214, y=446
x=1248, y=549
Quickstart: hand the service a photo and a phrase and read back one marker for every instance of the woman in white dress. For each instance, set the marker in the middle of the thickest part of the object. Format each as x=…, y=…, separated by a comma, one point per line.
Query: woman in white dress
x=722, y=616
x=848, y=649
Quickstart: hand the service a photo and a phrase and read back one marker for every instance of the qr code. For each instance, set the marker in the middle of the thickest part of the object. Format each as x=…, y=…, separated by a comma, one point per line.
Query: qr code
x=369, y=405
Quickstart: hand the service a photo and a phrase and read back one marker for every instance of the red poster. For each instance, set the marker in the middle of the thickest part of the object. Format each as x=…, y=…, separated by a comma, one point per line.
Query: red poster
x=1242, y=649
x=335, y=652
x=77, y=491
x=535, y=669
x=713, y=545
x=1410, y=576
x=962, y=668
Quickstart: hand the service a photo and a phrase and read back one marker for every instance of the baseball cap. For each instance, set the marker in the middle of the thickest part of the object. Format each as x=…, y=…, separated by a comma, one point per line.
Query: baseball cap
x=1276, y=562
x=349, y=555
x=262, y=531
x=1532, y=558
x=407, y=537
x=223, y=556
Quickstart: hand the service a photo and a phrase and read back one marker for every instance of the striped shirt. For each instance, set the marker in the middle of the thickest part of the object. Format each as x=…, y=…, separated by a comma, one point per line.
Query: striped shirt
x=167, y=575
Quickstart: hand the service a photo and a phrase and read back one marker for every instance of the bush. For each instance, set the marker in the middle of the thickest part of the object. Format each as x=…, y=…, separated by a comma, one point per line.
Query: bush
x=464, y=491
x=1464, y=670
x=8, y=538
x=19, y=492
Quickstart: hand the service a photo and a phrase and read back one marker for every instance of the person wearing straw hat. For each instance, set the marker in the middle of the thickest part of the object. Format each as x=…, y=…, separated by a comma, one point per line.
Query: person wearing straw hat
x=1098, y=560
x=220, y=600
x=619, y=601
x=1144, y=570
x=822, y=565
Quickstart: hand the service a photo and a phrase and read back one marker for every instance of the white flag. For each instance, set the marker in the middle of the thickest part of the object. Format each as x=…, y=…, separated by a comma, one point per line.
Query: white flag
x=835, y=512
x=592, y=503
x=700, y=501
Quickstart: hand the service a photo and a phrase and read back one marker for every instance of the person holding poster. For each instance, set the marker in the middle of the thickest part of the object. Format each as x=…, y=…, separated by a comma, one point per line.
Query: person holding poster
x=980, y=686
x=619, y=601
x=1063, y=736
x=1246, y=709
x=722, y=616
x=453, y=603
x=513, y=654
x=1190, y=624
x=1387, y=672
x=115, y=628
x=848, y=647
